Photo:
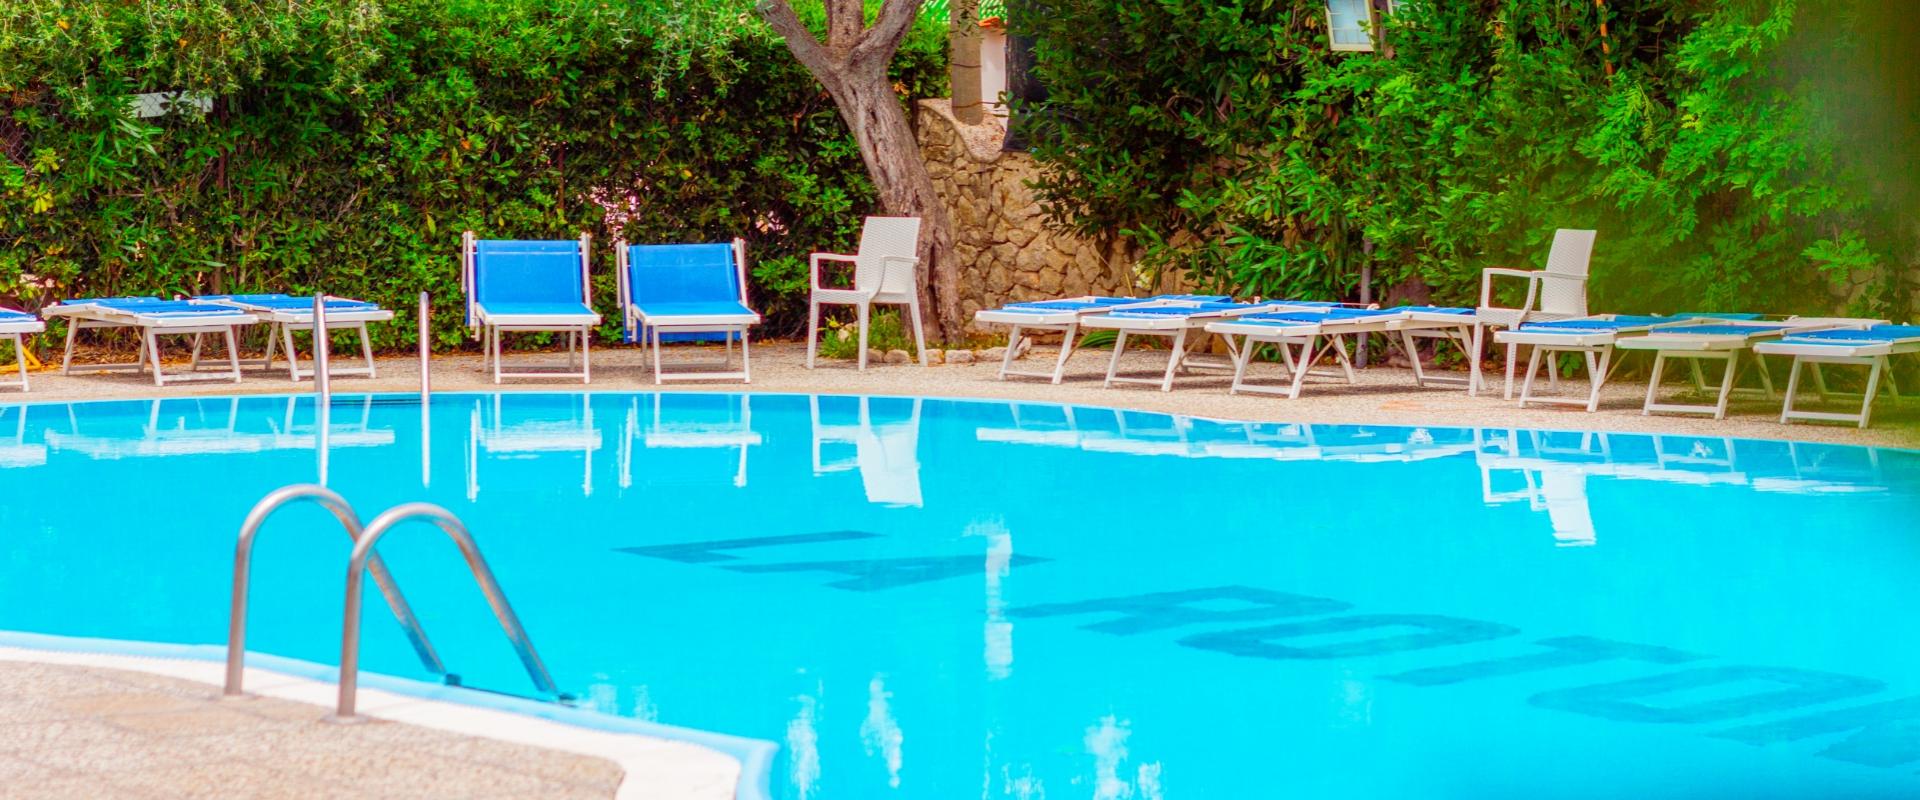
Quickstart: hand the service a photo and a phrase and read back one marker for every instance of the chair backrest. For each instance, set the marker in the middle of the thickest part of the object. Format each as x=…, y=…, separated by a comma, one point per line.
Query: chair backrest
x=882, y=237
x=516, y=271
x=1569, y=259
x=680, y=273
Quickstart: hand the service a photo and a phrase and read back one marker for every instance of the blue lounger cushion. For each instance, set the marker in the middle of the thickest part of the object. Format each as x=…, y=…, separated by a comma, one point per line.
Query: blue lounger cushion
x=10, y=315
x=1723, y=330
x=1873, y=335
x=529, y=274
x=1465, y=312
x=1045, y=306
x=287, y=302
x=1593, y=325
x=153, y=306
x=1179, y=311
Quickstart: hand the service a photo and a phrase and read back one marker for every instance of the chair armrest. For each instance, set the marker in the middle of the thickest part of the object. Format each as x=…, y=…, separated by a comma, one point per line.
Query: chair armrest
x=1486, y=285
x=813, y=269
x=908, y=260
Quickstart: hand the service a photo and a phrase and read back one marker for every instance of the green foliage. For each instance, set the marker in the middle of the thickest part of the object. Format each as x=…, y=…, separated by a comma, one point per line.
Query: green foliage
x=352, y=141
x=841, y=338
x=1719, y=160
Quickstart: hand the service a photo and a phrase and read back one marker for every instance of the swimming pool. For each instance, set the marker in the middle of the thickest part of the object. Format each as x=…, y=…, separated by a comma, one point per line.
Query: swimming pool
x=943, y=598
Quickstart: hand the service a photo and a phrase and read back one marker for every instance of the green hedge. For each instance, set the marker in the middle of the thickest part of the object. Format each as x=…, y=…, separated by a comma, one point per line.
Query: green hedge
x=1741, y=155
x=351, y=142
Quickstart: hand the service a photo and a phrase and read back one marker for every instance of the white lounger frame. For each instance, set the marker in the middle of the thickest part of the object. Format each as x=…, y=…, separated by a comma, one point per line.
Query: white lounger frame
x=83, y=315
x=1176, y=328
x=491, y=326
x=1459, y=329
x=1697, y=347
x=282, y=323
x=1596, y=345
x=728, y=325
x=1304, y=335
x=1066, y=322
x=17, y=331
x=1873, y=356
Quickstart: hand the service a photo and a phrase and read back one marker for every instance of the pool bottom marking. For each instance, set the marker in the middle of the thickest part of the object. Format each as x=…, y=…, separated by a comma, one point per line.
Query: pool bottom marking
x=1883, y=734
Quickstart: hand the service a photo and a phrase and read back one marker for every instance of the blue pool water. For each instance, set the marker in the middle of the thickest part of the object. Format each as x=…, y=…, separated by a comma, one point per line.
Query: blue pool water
x=938, y=599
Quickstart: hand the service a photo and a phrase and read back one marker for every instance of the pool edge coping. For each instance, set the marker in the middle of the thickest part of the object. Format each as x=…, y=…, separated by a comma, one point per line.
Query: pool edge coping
x=640, y=748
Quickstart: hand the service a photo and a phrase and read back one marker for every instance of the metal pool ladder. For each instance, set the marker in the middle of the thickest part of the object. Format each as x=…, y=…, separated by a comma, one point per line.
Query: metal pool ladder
x=363, y=561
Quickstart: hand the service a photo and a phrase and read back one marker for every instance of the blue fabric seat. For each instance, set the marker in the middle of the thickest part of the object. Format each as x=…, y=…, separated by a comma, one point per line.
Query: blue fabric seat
x=670, y=290
x=523, y=285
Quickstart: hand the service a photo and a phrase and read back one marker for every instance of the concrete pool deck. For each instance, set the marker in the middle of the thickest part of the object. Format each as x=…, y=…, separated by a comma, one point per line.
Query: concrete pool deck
x=1381, y=395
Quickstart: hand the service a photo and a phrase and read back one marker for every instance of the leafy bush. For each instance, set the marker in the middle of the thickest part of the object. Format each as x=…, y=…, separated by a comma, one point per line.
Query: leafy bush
x=1719, y=146
x=350, y=142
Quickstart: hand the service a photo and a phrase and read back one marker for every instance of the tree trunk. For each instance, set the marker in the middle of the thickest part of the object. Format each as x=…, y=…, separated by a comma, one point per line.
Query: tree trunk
x=963, y=60
x=852, y=66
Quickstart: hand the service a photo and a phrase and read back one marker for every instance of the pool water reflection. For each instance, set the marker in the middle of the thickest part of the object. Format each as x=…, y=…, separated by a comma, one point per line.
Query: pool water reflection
x=934, y=598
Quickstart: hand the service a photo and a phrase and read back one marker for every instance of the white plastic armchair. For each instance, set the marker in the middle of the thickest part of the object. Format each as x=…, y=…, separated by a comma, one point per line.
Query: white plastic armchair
x=1557, y=292
x=885, y=271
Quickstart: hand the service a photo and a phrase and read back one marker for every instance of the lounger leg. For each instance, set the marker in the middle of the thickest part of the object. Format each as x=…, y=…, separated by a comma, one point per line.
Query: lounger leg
x=1413, y=357
x=1533, y=367
x=1477, y=353
x=1873, y=386
x=20, y=361
x=273, y=339
x=1726, y=384
x=1068, y=340
x=496, y=355
x=1006, y=359
x=293, y=356
x=1301, y=366
x=1819, y=380
x=153, y=352
x=746, y=376
x=1173, y=360
x=1113, y=364
x=862, y=312
x=193, y=359
x=1597, y=375
x=1793, y=386
x=1766, y=378
x=1241, y=355
x=66, y=361
x=919, y=334
x=1338, y=345
x=586, y=362
x=233, y=352
x=1653, y=382
x=366, y=350
x=813, y=330
x=1511, y=350
x=656, y=355
x=1553, y=371
x=1699, y=378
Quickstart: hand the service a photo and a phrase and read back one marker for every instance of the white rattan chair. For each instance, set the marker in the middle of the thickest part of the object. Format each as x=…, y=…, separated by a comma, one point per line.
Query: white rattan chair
x=884, y=271
x=1555, y=293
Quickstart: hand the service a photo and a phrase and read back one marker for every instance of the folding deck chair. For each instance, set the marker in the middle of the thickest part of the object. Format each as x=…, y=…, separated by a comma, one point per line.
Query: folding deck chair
x=1064, y=316
x=529, y=286
x=1868, y=347
x=687, y=288
x=1594, y=337
x=1315, y=331
x=16, y=325
x=155, y=318
x=1720, y=340
x=1176, y=321
x=285, y=314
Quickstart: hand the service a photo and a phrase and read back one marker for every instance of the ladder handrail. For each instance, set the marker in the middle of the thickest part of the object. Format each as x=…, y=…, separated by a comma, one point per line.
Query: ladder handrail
x=243, y=569
x=364, y=557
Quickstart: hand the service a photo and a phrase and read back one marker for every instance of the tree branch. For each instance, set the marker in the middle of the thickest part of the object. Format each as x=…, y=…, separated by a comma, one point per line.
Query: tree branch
x=846, y=20
x=880, y=41
x=779, y=16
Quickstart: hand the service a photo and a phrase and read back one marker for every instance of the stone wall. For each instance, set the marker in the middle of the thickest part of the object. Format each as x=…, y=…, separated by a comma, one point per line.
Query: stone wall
x=1005, y=250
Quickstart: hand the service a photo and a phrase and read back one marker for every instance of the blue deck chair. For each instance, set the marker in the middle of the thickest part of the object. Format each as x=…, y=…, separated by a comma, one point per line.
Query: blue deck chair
x=529, y=286
x=686, y=288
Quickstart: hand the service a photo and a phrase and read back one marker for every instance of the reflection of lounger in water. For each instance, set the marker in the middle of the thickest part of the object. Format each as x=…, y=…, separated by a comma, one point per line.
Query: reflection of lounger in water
x=202, y=426
x=694, y=422
x=529, y=428
x=886, y=452
x=19, y=453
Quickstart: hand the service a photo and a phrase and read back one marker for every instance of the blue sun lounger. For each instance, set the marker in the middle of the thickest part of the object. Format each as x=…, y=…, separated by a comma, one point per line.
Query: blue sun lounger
x=1064, y=316
x=1594, y=337
x=154, y=317
x=529, y=286
x=285, y=313
x=686, y=288
x=1719, y=340
x=1868, y=347
x=1316, y=331
x=1176, y=321
x=16, y=325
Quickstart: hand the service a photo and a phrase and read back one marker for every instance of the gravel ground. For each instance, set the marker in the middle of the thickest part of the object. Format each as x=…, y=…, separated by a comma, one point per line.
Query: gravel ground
x=1382, y=395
